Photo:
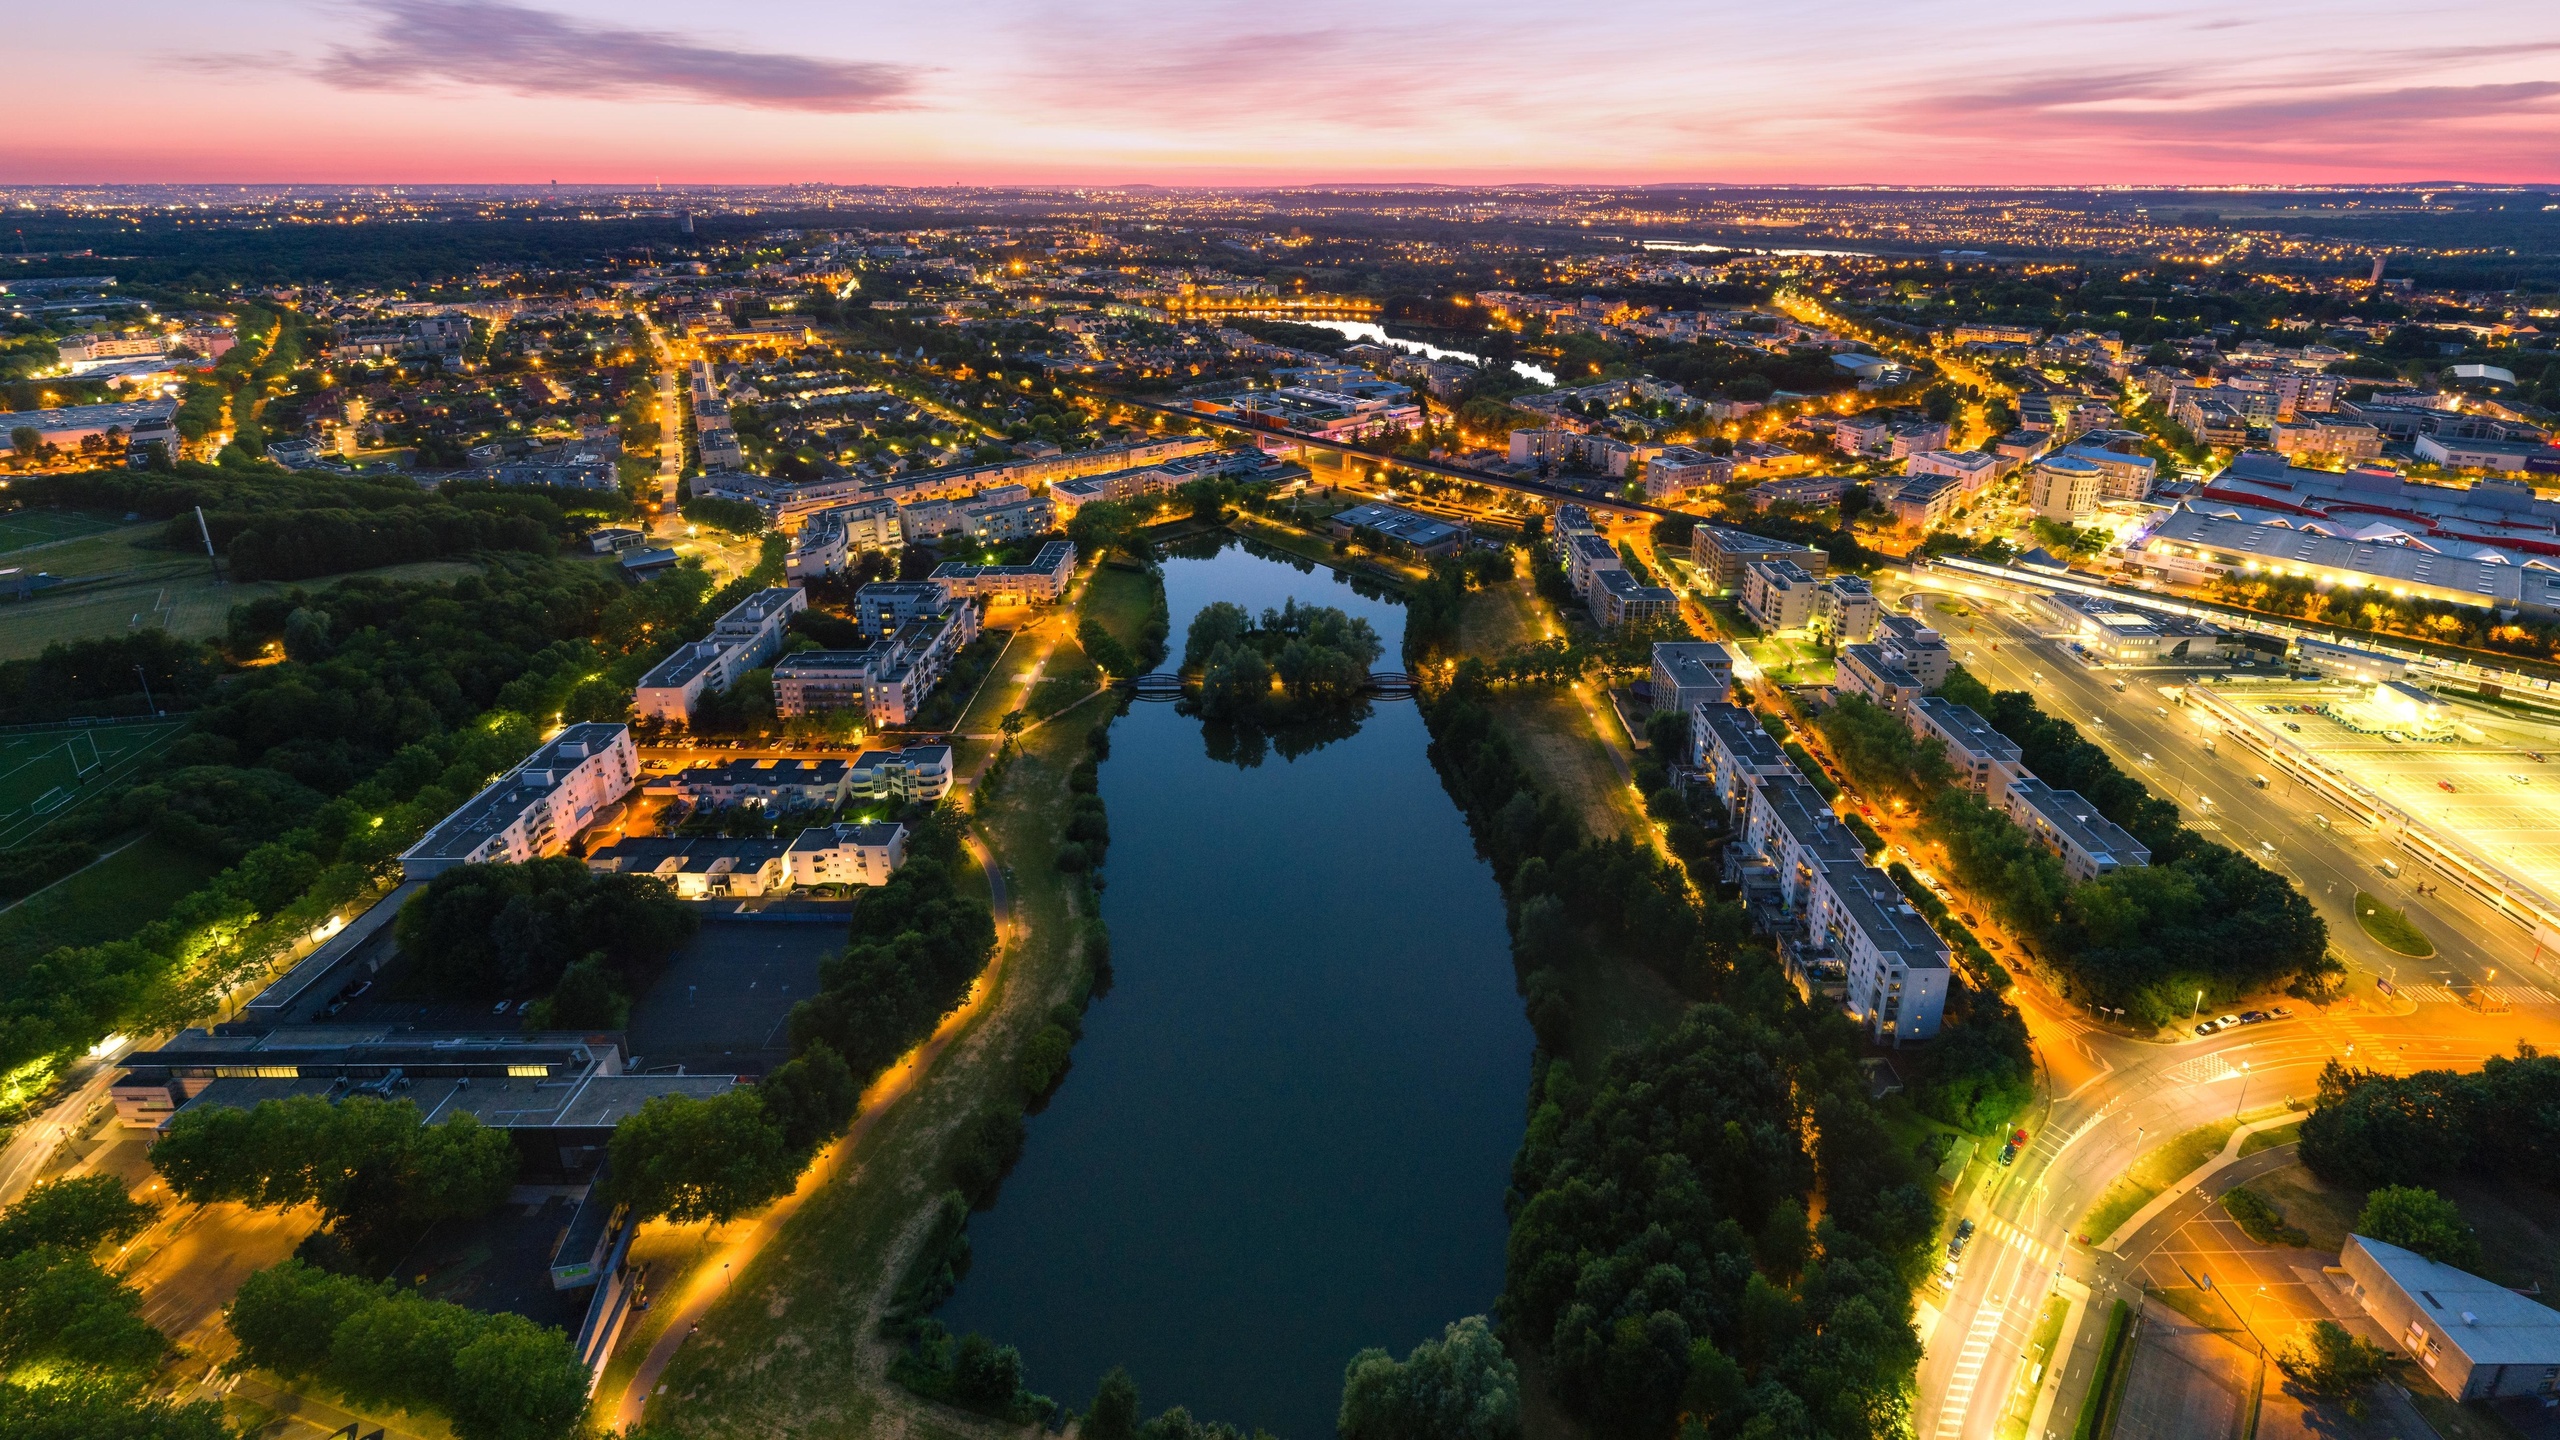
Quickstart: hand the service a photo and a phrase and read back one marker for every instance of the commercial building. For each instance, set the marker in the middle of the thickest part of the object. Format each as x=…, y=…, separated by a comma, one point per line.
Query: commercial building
x=2064, y=822
x=66, y=426
x=1897, y=965
x=1722, y=552
x=2189, y=546
x=1777, y=594
x=1867, y=670
x=2336, y=439
x=2120, y=636
x=2511, y=456
x=2477, y=1340
x=2345, y=662
x=749, y=635
x=1690, y=672
x=557, y=1096
x=1618, y=598
x=1042, y=582
x=534, y=810
x=1984, y=759
x=2402, y=706
x=1396, y=528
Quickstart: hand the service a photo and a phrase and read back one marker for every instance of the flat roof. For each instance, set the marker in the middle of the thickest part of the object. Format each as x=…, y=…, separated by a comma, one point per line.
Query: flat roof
x=2072, y=816
x=1751, y=746
x=1878, y=907
x=1795, y=804
x=511, y=794
x=1694, y=662
x=1967, y=728
x=2490, y=1324
x=680, y=668
x=1741, y=542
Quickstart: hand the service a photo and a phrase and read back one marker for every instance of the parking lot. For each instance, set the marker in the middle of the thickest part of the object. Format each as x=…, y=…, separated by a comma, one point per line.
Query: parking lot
x=724, y=1002
x=2483, y=787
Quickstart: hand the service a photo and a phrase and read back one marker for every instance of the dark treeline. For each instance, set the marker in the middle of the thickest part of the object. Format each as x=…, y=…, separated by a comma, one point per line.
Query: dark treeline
x=2501, y=1121
x=1660, y=1254
x=393, y=703
x=275, y=525
x=588, y=944
x=76, y=1355
x=917, y=943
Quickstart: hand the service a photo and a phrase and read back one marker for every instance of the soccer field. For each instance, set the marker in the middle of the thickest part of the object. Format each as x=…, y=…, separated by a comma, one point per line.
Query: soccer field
x=22, y=528
x=43, y=772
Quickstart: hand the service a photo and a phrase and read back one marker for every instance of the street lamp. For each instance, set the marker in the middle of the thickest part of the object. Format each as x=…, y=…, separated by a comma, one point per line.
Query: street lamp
x=2198, y=1008
x=2244, y=1091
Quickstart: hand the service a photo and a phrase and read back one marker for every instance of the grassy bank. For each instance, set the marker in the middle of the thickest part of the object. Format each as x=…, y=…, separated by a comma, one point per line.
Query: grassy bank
x=793, y=1347
x=110, y=899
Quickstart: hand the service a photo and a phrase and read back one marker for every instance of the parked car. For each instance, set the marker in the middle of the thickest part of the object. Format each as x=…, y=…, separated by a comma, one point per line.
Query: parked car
x=2009, y=1152
x=2207, y=1028
x=2282, y=1012
x=2226, y=1021
x=2252, y=1017
x=1965, y=1228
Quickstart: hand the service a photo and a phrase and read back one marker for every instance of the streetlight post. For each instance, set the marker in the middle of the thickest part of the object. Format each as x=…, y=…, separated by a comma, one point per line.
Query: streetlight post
x=2244, y=1091
x=2198, y=1008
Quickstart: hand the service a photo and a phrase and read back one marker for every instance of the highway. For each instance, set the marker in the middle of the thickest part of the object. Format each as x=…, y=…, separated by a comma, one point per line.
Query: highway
x=2108, y=1095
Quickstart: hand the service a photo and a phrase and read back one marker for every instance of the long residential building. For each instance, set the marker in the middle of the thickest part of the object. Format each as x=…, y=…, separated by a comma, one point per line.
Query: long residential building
x=537, y=808
x=2064, y=822
x=1728, y=743
x=1898, y=966
x=1984, y=759
x=788, y=505
x=1042, y=582
x=830, y=538
x=1724, y=553
x=1690, y=672
x=748, y=636
x=888, y=680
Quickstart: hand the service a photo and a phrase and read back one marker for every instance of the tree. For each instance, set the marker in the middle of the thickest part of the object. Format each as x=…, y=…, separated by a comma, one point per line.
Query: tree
x=1013, y=723
x=374, y=1167
x=76, y=1214
x=75, y=1408
x=2420, y=1220
x=2332, y=1363
x=1459, y=1387
x=693, y=1159
x=517, y=1381
x=984, y=1375
x=1104, y=649
x=1114, y=1415
x=58, y=1306
x=28, y=440
x=812, y=1097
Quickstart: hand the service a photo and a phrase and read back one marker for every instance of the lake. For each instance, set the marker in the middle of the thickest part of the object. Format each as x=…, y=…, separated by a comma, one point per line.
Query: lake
x=1377, y=334
x=1290, y=1123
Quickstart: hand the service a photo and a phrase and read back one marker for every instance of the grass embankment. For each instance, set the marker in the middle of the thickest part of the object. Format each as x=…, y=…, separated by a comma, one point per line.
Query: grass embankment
x=2391, y=929
x=2102, y=1386
x=2156, y=1170
x=793, y=1347
x=1560, y=741
x=107, y=901
x=2039, y=1354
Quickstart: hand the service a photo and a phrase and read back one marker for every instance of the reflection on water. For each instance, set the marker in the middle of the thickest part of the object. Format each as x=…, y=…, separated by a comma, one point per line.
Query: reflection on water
x=1288, y=1128
x=1377, y=335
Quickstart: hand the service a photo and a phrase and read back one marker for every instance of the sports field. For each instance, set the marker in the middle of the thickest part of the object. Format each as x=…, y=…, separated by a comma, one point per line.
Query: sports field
x=22, y=528
x=119, y=585
x=45, y=772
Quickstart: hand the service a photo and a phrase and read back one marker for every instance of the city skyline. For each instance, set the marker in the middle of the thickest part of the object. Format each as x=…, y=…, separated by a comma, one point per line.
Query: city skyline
x=456, y=91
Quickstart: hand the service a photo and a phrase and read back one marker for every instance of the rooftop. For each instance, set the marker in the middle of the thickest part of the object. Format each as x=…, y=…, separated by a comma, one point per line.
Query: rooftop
x=494, y=809
x=1969, y=729
x=2075, y=819
x=2489, y=1323
x=1878, y=907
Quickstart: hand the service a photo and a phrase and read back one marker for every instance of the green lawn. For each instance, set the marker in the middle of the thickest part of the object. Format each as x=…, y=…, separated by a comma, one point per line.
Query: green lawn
x=2390, y=928
x=107, y=901
x=2153, y=1171
x=1121, y=601
x=22, y=528
x=37, y=766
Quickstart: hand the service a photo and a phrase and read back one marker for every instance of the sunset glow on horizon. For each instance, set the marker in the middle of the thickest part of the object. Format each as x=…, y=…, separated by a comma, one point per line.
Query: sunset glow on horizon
x=495, y=91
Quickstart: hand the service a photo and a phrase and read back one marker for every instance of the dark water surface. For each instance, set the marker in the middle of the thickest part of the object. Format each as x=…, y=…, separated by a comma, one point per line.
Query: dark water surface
x=1290, y=1122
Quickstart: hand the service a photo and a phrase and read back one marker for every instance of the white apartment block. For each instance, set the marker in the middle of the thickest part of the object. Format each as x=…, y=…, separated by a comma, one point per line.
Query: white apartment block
x=1777, y=594
x=749, y=635
x=1897, y=965
x=1867, y=670
x=1985, y=760
x=1690, y=672
x=534, y=810
x=1916, y=648
x=1679, y=469
x=848, y=854
x=1728, y=743
x=2064, y=822
x=1845, y=609
x=1044, y=581
x=2064, y=488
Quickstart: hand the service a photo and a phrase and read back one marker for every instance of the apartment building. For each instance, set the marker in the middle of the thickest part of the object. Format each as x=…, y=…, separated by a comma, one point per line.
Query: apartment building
x=749, y=635
x=1618, y=598
x=534, y=810
x=1975, y=468
x=1722, y=552
x=1867, y=670
x=1679, y=469
x=916, y=774
x=1585, y=557
x=1042, y=582
x=1845, y=609
x=790, y=784
x=2064, y=822
x=1898, y=967
x=854, y=854
x=2064, y=488
x=1690, y=672
x=1985, y=760
x=888, y=680
x=1777, y=594
x=1569, y=449
x=1922, y=503
x=1916, y=648
x=1729, y=745
x=1790, y=830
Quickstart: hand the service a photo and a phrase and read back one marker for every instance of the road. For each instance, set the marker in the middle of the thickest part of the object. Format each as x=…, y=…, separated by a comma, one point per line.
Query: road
x=2110, y=1095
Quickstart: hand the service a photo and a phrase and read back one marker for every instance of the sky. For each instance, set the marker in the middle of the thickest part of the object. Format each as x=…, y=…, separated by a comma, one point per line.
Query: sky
x=1214, y=92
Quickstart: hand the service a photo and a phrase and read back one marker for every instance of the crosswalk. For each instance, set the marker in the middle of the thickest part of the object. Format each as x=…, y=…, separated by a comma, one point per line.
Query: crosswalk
x=2510, y=994
x=2202, y=1070
x=2008, y=1234
x=1978, y=1339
